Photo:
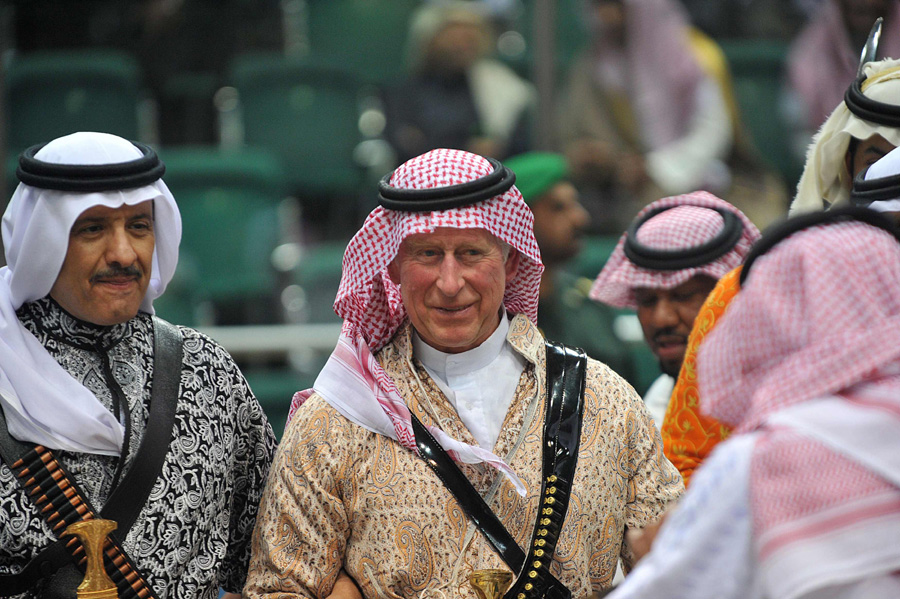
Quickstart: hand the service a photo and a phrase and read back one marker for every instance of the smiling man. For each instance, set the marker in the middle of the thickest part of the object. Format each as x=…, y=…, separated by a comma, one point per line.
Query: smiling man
x=664, y=266
x=419, y=456
x=102, y=402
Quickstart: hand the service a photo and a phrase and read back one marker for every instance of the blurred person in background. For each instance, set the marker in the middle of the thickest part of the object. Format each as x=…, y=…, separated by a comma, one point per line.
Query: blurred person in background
x=560, y=221
x=824, y=57
x=664, y=266
x=455, y=95
x=648, y=111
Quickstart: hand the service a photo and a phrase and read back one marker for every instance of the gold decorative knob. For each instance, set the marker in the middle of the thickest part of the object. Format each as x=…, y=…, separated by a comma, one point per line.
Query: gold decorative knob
x=96, y=584
x=490, y=584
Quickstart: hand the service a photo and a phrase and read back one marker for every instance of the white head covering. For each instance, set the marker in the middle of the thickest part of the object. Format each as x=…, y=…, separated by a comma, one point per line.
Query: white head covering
x=825, y=176
x=886, y=166
x=42, y=403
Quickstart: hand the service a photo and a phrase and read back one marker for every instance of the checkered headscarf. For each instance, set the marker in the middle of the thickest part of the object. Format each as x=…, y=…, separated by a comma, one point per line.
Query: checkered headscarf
x=352, y=381
x=807, y=358
x=370, y=302
x=688, y=224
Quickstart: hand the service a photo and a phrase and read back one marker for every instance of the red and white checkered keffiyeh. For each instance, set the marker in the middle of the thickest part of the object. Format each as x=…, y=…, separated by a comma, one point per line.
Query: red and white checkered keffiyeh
x=688, y=224
x=371, y=305
x=808, y=357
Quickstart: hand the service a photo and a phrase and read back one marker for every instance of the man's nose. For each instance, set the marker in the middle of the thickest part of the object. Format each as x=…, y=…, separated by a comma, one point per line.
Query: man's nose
x=665, y=314
x=450, y=276
x=120, y=249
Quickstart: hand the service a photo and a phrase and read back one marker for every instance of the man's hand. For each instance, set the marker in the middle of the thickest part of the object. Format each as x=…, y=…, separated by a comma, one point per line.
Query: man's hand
x=641, y=540
x=345, y=588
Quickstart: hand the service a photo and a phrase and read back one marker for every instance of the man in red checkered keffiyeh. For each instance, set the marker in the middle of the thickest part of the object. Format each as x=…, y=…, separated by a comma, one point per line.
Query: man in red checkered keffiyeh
x=665, y=265
x=803, y=500
x=439, y=298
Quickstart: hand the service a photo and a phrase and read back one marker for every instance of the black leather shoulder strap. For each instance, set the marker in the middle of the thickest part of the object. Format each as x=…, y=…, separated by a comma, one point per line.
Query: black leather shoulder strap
x=562, y=429
x=566, y=377
x=131, y=493
x=468, y=497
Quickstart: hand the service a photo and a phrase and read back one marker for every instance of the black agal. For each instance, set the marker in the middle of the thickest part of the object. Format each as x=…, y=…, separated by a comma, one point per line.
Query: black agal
x=87, y=178
x=689, y=257
x=443, y=198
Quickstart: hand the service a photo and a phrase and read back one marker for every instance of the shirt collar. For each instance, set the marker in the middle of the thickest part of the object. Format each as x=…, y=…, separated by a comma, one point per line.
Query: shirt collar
x=467, y=361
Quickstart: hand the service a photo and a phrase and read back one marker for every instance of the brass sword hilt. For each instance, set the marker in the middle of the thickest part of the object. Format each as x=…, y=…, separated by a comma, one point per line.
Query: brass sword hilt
x=490, y=584
x=96, y=584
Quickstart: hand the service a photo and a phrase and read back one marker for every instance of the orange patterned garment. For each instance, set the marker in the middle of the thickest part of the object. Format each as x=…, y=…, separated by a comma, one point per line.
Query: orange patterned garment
x=689, y=436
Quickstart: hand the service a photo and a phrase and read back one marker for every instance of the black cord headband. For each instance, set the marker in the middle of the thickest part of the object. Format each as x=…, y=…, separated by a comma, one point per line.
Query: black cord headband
x=864, y=192
x=857, y=102
x=443, y=198
x=689, y=257
x=781, y=231
x=87, y=178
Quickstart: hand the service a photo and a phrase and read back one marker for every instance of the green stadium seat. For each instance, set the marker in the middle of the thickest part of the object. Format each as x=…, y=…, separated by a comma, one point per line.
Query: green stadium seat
x=305, y=113
x=229, y=208
x=368, y=35
x=757, y=70
x=51, y=94
x=319, y=275
x=274, y=388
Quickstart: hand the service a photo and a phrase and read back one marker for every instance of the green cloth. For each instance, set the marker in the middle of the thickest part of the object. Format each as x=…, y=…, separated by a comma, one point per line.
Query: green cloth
x=569, y=316
x=536, y=172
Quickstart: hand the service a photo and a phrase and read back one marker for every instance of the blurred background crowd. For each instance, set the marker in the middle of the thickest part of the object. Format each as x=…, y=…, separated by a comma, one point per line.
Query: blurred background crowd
x=277, y=118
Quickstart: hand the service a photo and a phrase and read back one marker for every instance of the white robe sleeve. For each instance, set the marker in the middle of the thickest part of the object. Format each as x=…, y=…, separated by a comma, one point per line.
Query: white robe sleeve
x=704, y=550
x=696, y=159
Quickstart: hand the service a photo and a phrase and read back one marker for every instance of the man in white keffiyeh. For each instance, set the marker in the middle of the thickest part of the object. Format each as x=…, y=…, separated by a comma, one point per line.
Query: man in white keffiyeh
x=439, y=298
x=91, y=235
x=803, y=500
x=664, y=266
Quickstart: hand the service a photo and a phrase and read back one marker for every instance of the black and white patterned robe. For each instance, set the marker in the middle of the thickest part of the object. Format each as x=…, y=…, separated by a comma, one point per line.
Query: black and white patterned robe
x=193, y=534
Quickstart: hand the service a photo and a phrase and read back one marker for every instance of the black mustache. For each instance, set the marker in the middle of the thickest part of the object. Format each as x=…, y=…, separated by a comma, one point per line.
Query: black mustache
x=117, y=272
x=667, y=332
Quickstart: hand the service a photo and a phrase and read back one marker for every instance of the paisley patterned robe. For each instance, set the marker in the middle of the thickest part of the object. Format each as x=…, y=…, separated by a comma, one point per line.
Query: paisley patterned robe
x=193, y=534
x=342, y=496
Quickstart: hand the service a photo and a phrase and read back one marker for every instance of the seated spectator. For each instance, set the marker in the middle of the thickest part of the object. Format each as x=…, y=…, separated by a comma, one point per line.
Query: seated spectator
x=824, y=57
x=456, y=96
x=566, y=313
x=645, y=114
x=802, y=500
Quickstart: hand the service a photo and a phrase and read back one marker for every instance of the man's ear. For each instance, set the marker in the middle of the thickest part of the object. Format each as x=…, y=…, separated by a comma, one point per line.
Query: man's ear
x=394, y=272
x=512, y=264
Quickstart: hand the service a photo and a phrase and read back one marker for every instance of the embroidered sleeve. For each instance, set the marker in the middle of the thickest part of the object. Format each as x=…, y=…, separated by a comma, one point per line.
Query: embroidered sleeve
x=254, y=444
x=302, y=529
